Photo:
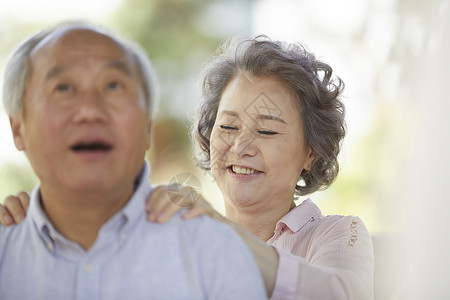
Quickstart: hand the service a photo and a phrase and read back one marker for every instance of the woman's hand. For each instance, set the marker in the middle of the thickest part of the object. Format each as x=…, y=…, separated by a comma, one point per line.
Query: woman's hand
x=166, y=200
x=162, y=204
x=14, y=209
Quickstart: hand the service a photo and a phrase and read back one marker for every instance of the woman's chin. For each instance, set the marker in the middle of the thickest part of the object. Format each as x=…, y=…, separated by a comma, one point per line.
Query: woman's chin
x=241, y=198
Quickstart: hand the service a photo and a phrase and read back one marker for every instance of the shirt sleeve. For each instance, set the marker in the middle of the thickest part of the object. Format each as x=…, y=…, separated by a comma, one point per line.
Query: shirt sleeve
x=339, y=265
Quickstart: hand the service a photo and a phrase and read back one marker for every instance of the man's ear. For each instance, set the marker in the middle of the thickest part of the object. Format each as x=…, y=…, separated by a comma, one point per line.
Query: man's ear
x=17, y=131
x=149, y=133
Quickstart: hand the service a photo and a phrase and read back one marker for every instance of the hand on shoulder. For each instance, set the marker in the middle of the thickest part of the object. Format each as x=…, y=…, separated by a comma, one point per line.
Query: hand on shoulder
x=166, y=200
x=14, y=208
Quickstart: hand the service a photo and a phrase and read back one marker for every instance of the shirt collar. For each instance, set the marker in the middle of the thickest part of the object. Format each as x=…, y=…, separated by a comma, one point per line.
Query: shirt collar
x=298, y=216
x=136, y=205
x=37, y=214
x=130, y=212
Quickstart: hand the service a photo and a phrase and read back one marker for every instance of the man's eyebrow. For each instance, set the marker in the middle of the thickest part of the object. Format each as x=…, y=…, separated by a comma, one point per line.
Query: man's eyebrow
x=270, y=117
x=117, y=64
x=120, y=66
x=55, y=71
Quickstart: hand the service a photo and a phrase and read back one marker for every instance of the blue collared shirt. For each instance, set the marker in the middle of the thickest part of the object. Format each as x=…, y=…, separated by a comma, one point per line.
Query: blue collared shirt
x=131, y=259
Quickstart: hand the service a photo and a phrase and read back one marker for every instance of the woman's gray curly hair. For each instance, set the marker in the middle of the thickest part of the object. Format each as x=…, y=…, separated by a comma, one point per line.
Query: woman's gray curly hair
x=311, y=80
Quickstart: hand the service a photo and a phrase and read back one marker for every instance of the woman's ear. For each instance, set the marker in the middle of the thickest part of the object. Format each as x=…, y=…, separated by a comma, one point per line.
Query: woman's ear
x=309, y=160
x=17, y=132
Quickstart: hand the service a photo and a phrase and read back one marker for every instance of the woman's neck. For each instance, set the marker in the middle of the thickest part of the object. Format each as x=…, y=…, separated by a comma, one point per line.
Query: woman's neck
x=259, y=221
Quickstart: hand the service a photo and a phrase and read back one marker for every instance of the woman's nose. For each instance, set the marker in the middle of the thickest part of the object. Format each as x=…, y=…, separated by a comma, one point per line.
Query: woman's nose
x=243, y=144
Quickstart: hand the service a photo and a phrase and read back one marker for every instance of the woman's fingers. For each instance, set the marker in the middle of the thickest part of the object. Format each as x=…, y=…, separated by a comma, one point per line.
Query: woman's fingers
x=24, y=199
x=182, y=196
x=153, y=203
x=202, y=207
x=14, y=209
x=6, y=218
x=168, y=212
x=195, y=212
x=164, y=202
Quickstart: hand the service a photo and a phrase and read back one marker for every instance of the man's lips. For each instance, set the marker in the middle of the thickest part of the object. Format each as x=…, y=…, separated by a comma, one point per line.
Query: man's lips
x=91, y=146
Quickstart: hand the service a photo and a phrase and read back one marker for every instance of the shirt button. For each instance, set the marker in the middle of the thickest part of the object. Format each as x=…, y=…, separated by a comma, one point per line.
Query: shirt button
x=50, y=246
x=89, y=268
x=124, y=237
x=52, y=235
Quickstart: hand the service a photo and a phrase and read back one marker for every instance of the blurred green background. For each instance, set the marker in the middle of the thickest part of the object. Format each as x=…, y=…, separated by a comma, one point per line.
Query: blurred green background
x=376, y=47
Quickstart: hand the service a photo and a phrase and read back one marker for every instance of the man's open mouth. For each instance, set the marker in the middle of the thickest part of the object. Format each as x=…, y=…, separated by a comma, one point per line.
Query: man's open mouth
x=92, y=146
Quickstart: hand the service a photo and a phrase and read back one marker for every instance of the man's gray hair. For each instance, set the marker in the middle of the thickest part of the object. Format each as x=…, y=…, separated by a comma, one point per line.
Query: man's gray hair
x=18, y=66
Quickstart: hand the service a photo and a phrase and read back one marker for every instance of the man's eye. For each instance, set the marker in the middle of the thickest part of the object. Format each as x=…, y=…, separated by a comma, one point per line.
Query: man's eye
x=113, y=85
x=63, y=88
x=267, y=132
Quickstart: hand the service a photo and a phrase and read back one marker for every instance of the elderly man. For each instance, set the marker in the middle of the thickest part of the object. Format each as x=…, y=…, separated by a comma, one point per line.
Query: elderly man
x=79, y=101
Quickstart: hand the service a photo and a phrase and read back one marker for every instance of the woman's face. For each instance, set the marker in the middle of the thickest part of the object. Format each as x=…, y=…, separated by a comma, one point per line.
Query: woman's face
x=258, y=149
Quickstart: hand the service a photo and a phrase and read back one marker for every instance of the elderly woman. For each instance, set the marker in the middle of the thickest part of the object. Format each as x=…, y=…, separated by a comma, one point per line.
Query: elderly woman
x=270, y=128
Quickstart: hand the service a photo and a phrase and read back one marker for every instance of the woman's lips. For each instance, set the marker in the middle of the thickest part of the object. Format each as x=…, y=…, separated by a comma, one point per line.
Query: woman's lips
x=243, y=172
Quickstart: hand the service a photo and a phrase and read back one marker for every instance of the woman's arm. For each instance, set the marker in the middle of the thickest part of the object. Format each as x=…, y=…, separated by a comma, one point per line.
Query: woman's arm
x=266, y=256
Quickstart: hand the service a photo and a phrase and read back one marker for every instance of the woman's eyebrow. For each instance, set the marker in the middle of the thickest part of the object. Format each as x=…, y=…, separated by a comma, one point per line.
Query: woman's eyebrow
x=270, y=117
x=228, y=112
x=258, y=116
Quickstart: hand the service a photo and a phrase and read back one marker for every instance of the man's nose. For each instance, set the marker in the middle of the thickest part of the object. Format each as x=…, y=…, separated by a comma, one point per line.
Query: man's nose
x=91, y=107
x=244, y=144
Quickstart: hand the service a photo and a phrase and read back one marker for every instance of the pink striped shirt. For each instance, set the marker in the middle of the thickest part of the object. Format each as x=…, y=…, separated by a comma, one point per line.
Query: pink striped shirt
x=322, y=257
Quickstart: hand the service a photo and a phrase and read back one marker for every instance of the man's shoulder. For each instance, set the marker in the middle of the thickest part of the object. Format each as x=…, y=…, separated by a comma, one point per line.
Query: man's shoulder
x=13, y=232
x=204, y=228
x=214, y=240
x=7, y=231
x=201, y=224
x=225, y=257
x=200, y=230
x=11, y=237
x=200, y=234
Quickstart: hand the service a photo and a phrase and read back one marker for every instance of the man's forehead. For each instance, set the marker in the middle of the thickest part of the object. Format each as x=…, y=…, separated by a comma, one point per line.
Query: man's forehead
x=82, y=38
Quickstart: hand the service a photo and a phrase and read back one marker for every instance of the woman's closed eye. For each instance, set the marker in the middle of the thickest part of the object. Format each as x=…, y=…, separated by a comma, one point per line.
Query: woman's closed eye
x=234, y=128
x=228, y=127
x=267, y=132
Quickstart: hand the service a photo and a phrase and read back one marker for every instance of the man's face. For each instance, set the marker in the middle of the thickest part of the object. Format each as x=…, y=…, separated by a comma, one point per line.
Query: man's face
x=84, y=125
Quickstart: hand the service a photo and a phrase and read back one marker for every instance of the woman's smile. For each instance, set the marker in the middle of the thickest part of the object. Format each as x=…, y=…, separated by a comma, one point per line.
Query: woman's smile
x=263, y=151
